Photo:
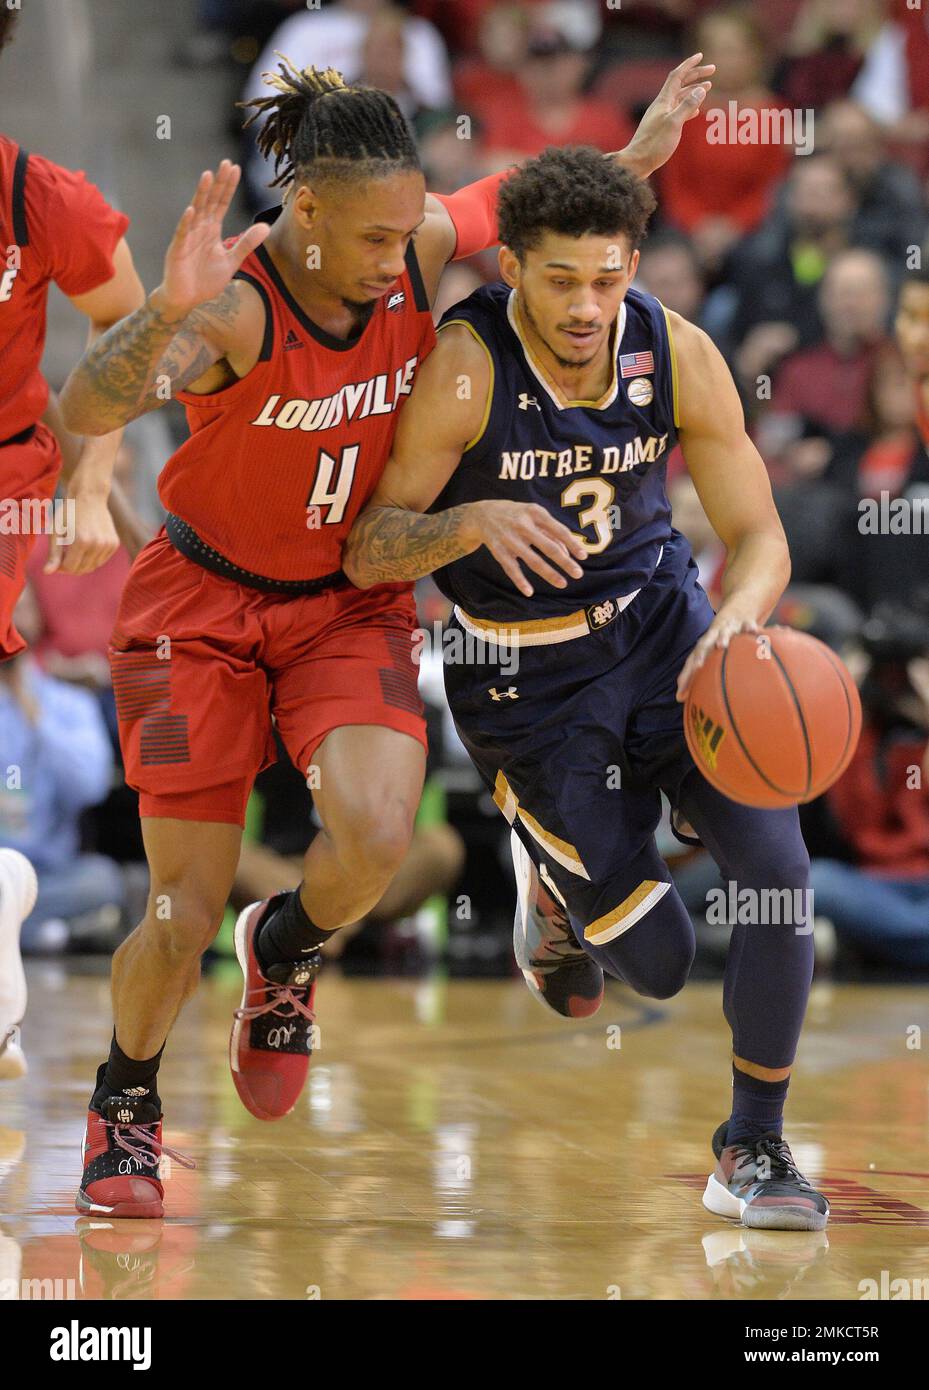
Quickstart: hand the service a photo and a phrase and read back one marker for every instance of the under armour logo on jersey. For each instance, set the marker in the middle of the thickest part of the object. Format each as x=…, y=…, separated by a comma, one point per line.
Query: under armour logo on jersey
x=525, y=401
x=396, y=301
x=292, y=341
x=509, y=694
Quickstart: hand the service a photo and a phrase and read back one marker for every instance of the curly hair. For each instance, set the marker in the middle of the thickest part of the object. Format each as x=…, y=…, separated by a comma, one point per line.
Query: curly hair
x=575, y=191
x=320, y=126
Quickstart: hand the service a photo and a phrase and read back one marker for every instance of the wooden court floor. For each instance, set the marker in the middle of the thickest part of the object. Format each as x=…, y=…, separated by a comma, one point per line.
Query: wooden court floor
x=456, y=1142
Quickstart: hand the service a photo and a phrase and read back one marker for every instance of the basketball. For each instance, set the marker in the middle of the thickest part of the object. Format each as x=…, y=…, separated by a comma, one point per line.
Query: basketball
x=773, y=719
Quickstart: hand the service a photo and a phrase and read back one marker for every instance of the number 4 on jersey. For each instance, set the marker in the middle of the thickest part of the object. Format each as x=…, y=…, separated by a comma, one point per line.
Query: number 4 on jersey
x=323, y=493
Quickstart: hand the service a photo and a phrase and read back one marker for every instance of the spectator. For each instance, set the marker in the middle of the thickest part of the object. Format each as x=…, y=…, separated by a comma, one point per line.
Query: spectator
x=503, y=36
x=550, y=108
x=880, y=901
x=826, y=50
x=893, y=464
x=384, y=59
x=57, y=762
x=776, y=275
x=911, y=329
x=335, y=37
x=669, y=269
x=718, y=193
x=894, y=82
x=827, y=385
x=890, y=217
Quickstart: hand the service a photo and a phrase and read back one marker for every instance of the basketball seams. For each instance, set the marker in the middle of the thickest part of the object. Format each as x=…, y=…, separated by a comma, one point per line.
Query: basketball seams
x=738, y=737
x=803, y=726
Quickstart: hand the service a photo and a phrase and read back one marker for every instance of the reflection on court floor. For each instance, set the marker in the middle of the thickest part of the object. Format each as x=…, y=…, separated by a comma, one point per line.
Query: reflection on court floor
x=455, y=1142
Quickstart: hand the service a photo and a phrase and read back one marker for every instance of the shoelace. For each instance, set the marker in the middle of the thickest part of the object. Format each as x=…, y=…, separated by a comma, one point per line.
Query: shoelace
x=558, y=946
x=782, y=1166
x=145, y=1134
x=277, y=995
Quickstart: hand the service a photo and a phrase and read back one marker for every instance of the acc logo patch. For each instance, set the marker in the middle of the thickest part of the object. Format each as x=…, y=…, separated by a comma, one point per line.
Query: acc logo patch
x=640, y=391
x=396, y=301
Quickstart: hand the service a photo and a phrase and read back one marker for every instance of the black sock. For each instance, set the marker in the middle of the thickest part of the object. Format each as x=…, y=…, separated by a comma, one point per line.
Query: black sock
x=757, y=1106
x=121, y=1075
x=287, y=933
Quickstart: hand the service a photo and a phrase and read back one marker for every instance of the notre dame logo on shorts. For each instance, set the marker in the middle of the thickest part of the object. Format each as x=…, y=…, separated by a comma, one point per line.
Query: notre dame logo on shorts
x=601, y=614
x=707, y=734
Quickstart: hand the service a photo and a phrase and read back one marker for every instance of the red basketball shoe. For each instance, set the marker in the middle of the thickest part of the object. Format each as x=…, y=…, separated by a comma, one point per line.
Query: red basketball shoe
x=122, y=1153
x=274, y=1027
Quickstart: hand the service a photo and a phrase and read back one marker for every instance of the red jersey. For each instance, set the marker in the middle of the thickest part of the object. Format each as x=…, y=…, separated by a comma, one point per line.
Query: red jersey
x=279, y=464
x=54, y=225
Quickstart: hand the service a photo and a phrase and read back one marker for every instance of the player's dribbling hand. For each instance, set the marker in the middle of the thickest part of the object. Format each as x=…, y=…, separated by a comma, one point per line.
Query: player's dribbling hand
x=94, y=541
x=719, y=634
x=523, y=533
x=198, y=266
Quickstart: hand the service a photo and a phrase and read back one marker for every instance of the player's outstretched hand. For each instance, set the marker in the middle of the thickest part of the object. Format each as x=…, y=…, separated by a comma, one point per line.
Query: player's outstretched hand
x=659, y=131
x=523, y=533
x=198, y=266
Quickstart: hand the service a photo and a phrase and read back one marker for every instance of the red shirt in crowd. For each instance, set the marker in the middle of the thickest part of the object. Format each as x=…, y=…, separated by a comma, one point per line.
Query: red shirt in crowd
x=54, y=225
x=706, y=179
x=829, y=388
x=509, y=124
x=885, y=820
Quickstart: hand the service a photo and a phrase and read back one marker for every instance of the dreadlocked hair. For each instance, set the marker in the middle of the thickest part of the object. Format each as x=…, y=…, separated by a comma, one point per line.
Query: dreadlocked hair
x=361, y=133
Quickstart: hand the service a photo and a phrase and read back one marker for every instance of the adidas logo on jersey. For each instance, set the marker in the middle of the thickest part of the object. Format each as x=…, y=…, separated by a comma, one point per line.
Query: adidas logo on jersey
x=396, y=301
x=292, y=341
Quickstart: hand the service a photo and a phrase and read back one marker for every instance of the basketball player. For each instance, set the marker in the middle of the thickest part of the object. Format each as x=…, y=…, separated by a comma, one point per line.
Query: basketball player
x=911, y=329
x=54, y=226
x=292, y=349
x=550, y=531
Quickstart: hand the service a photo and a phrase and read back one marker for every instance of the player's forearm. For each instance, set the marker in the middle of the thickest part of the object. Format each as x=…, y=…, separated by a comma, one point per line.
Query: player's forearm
x=114, y=380
x=631, y=159
x=756, y=575
x=391, y=544
x=133, y=532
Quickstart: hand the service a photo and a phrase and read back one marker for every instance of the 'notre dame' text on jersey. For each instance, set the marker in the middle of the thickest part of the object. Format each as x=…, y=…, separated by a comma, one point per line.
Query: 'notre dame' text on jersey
x=598, y=466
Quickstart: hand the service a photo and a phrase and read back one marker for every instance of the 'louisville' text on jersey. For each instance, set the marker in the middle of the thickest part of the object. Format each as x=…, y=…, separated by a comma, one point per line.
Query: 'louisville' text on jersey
x=582, y=458
x=379, y=395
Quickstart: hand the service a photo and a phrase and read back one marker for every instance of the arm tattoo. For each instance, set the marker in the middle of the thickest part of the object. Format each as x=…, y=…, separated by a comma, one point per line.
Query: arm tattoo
x=115, y=380
x=388, y=544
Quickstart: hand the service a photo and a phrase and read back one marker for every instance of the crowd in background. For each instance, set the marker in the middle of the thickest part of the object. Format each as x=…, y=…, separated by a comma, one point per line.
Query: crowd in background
x=792, y=256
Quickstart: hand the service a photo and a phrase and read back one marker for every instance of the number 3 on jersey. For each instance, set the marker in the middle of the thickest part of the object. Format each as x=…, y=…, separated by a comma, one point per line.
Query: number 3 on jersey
x=324, y=493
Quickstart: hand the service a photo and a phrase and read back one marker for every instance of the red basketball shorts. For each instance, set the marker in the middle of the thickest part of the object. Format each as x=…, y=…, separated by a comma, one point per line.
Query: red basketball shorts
x=201, y=663
x=28, y=474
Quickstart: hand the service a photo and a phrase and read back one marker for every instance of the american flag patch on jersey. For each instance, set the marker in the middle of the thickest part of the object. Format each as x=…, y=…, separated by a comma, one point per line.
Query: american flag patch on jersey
x=636, y=363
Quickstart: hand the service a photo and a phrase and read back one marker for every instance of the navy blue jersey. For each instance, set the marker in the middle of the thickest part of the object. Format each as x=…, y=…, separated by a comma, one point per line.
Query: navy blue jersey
x=598, y=466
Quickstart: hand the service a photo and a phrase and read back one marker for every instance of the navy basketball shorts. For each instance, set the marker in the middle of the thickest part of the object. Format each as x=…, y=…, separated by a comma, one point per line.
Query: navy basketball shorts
x=575, y=743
